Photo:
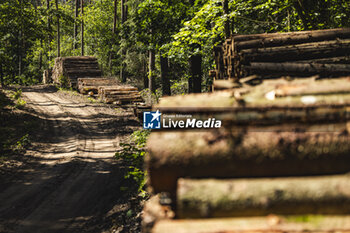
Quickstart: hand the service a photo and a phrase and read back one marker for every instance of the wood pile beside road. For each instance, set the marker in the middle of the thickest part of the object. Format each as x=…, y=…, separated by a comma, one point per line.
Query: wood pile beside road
x=282, y=149
x=86, y=85
x=109, y=90
x=67, y=70
x=271, y=55
x=120, y=94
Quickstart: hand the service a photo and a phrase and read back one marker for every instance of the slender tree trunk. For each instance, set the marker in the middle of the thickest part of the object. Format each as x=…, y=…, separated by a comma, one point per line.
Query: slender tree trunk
x=196, y=72
x=164, y=67
x=114, y=30
x=190, y=84
x=227, y=22
x=20, y=53
x=41, y=54
x=151, y=68
x=20, y=42
x=48, y=29
x=82, y=26
x=1, y=76
x=124, y=13
x=145, y=78
x=58, y=32
x=115, y=16
x=76, y=15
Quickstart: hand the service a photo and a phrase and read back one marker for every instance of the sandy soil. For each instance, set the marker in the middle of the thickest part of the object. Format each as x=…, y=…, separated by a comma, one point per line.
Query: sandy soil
x=72, y=182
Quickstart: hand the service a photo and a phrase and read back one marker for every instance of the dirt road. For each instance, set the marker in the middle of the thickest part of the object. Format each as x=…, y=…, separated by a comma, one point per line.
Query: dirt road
x=72, y=183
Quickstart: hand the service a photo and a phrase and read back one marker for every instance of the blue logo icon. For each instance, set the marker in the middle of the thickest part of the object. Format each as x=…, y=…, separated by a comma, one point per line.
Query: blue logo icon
x=151, y=120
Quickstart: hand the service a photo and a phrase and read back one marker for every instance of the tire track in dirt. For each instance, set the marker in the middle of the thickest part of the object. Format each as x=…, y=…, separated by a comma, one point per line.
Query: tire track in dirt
x=77, y=179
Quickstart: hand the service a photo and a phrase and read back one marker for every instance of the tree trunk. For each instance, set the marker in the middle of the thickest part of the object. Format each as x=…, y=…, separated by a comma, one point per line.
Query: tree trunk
x=115, y=16
x=263, y=196
x=145, y=77
x=82, y=27
x=190, y=84
x=122, y=68
x=41, y=54
x=20, y=41
x=58, y=32
x=124, y=11
x=164, y=67
x=76, y=15
x=48, y=29
x=227, y=22
x=20, y=53
x=1, y=75
x=151, y=69
x=196, y=72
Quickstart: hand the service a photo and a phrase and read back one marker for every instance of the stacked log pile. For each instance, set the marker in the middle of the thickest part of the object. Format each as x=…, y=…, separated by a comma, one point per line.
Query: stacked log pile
x=283, y=149
x=119, y=94
x=322, y=52
x=67, y=70
x=86, y=85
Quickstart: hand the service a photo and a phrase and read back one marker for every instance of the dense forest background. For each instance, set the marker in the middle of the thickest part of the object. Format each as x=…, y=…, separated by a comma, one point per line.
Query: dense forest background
x=158, y=44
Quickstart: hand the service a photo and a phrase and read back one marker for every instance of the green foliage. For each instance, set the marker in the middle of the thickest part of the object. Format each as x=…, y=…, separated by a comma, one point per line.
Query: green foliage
x=140, y=137
x=20, y=27
x=64, y=81
x=132, y=154
x=99, y=38
x=151, y=98
x=19, y=102
x=17, y=94
x=177, y=29
x=206, y=28
x=180, y=87
x=21, y=144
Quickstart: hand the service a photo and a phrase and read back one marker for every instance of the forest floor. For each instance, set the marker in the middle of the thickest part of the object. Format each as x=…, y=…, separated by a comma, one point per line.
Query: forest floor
x=68, y=180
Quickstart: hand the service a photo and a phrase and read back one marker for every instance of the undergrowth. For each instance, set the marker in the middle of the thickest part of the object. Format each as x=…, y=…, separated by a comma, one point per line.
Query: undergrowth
x=16, y=96
x=132, y=155
x=15, y=124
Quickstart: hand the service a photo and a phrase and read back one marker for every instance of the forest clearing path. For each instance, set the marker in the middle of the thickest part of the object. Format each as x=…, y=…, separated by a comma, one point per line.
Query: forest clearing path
x=75, y=183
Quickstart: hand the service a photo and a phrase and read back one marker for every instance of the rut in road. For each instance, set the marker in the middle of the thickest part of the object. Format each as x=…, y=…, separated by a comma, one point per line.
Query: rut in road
x=75, y=184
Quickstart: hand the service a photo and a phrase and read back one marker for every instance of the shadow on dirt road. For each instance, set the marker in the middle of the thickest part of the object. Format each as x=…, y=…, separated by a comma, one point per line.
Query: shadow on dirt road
x=71, y=183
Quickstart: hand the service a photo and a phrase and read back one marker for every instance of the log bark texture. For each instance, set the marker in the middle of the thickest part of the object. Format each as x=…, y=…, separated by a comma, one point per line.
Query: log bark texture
x=296, y=52
x=67, y=70
x=206, y=198
x=119, y=94
x=293, y=134
x=297, y=69
x=311, y=33
x=224, y=154
x=321, y=47
x=267, y=224
x=273, y=40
